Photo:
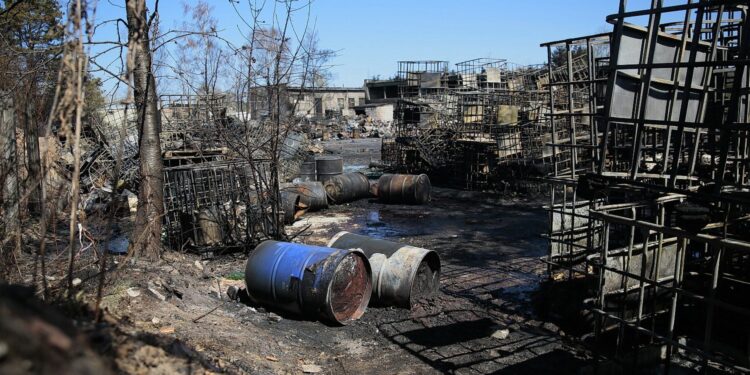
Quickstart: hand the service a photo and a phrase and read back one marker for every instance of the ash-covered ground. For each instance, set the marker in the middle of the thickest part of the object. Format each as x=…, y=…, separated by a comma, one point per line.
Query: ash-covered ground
x=482, y=321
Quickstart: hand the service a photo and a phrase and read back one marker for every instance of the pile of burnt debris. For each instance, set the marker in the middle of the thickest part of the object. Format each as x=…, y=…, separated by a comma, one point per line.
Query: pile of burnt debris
x=340, y=127
x=640, y=136
x=219, y=170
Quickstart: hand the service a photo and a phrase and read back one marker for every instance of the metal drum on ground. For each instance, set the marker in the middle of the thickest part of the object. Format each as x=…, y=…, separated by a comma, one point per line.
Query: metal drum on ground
x=347, y=187
x=401, y=274
x=290, y=203
x=312, y=194
x=307, y=171
x=404, y=188
x=313, y=281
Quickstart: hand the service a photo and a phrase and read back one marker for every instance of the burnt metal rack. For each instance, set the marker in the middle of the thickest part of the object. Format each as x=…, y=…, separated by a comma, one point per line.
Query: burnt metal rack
x=216, y=206
x=576, y=86
x=652, y=203
x=417, y=78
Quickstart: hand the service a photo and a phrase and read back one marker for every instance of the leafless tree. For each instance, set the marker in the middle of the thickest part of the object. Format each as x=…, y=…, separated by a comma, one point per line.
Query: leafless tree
x=148, y=223
x=200, y=53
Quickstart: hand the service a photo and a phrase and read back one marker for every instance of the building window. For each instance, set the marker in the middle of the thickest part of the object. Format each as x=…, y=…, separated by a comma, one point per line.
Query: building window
x=341, y=103
x=351, y=102
x=361, y=101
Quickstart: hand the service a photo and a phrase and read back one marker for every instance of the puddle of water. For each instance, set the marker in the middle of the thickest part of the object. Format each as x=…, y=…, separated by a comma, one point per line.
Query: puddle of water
x=391, y=224
x=373, y=216
x=354, y=168
x=374, y=227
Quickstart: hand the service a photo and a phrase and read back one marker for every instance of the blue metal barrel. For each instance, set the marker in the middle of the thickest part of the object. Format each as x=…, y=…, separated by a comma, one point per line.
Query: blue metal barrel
x=313, y=281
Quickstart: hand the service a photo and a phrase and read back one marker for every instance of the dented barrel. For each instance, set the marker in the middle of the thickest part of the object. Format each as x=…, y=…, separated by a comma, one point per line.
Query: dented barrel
x=312, y=194
x=404, y=188
x=327, y=166
x=290, y=204
x=401, y=274
x=347, y=187
x=314, y=281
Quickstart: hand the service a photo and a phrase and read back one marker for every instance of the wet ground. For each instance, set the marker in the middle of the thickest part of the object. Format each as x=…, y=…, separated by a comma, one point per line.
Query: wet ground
x=490, y=252
x=480, y=322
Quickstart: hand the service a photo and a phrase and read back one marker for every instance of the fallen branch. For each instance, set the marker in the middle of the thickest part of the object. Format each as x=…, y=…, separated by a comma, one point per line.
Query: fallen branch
x=206, y=314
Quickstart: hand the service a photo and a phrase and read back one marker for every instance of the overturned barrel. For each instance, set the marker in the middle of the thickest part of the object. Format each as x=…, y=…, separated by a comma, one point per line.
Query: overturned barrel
x=327, y=166
x=290, y=204
x=347, y=187
x=401, y=274
x=314, y=281
x=404, y=188
x=312, y=194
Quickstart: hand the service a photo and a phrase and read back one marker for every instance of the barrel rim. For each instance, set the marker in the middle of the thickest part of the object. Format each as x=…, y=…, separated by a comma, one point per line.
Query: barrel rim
x=365, y=296
x=426, y=253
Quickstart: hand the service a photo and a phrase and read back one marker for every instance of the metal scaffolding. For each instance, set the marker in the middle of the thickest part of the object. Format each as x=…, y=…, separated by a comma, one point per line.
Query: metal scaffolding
x=471, y=126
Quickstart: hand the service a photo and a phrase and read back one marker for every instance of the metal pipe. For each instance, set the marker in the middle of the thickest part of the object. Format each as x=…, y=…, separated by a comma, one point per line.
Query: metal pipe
x=313, y=281
x=347, y=187
x=404, y=188
x=401, y=274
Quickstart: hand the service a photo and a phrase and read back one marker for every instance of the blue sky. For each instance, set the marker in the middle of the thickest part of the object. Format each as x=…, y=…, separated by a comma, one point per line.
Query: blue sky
x=371, y=36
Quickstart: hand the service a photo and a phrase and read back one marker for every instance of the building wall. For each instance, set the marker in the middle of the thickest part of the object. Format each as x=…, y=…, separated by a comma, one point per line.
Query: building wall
x=330, y=100
x=382, y=113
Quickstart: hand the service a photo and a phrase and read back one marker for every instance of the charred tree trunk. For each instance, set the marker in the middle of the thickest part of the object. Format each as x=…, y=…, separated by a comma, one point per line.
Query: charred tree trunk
x=8, y=183
x=34, y=177
x=146, y=238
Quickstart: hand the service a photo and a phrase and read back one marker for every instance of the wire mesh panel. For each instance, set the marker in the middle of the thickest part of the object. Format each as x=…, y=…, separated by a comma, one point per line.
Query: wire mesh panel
x=650, y=193
x=189, y=122
x=112, y=136
x=483, y=73
x=662, y=118
x=576, y=71
x=573, y=80
x=421, y=77
x=667, y=277
x=215, y=206
x=573, y=235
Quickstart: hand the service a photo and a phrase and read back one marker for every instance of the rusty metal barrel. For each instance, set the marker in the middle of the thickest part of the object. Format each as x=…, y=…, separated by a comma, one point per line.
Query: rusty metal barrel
x=347, y=187
x=307, y=171
x=401, y=274
x=209, y=223
x=312, y=194
x=404, y=188
x=327, y=166
x=312, y=281
x=290, y=203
